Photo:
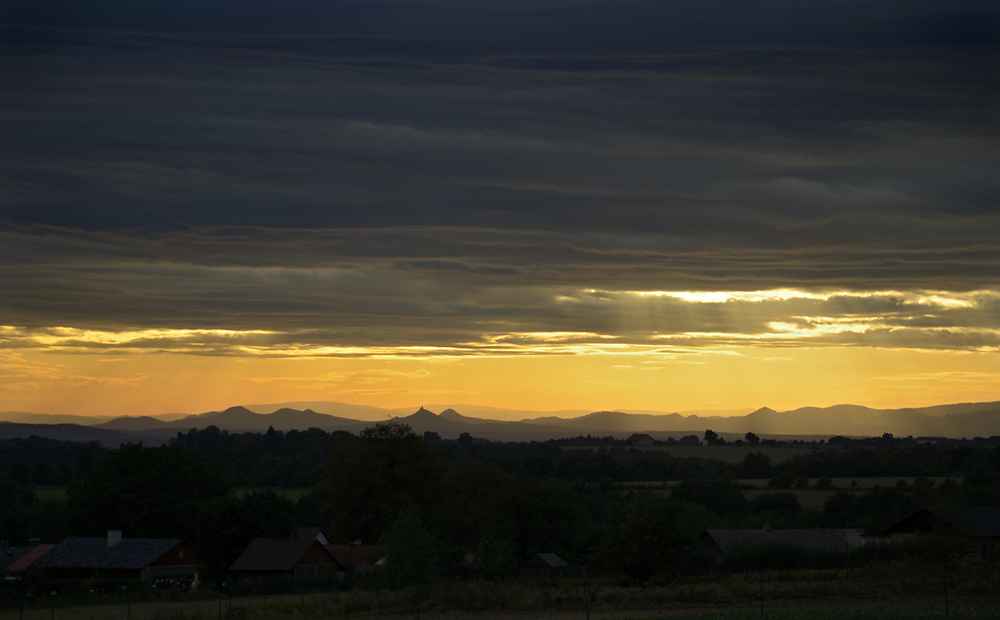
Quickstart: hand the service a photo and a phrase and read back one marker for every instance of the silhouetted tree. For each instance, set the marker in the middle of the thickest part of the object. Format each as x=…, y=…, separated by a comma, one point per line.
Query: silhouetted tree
x=412, y=557
x=364, y=488
x=16, y=504
x=229, y=525
x=647, y=537
x=145, y=492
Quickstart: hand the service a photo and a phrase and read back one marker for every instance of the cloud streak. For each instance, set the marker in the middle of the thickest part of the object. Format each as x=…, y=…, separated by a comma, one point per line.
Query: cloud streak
x=458, y=179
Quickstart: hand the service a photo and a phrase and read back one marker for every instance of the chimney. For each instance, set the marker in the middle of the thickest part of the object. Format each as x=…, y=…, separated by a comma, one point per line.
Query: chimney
x=114, y=537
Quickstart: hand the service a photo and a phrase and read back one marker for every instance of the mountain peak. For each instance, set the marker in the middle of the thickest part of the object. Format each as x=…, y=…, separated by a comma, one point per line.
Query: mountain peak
x=238, y=409
x=763, y=411
x=421, y=415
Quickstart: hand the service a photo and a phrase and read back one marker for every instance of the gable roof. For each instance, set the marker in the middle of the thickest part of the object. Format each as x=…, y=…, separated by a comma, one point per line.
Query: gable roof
x=549, y=560
x=27, y=559
x=275, y=554
x=11, y=554
x=362, y=557
x=829, y=539
x=978, y=520
x=80, y=552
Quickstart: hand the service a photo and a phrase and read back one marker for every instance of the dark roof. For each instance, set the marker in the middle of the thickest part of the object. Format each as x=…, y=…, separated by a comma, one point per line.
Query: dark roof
x=982, y=520
x=550, y=559
x=77, y=552
x=361, y=557
x=978, y=520
x=273, y=554
x=831, y=539
x=28, y=558
x=11, y=554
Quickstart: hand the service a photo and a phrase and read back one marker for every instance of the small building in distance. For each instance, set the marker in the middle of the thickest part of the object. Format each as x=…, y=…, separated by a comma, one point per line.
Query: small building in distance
x=284, y=559
x=980, y=524
x=543, y=565
x=719, y=541
x=115, y=557
x=640, y=439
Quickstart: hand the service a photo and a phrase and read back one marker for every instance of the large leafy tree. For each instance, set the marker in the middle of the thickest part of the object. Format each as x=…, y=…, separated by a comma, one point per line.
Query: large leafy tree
x=412, y=558
x=145, y=492
x=16, y=505
x=648, y=537
x=365, y=488
x=231, y=524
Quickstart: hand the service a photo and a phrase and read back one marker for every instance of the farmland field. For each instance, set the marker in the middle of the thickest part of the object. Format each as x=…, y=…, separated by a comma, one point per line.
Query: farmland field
x=732, y=598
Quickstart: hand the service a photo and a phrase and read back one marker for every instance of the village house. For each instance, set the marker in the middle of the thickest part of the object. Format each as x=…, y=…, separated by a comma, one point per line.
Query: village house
x=284, y=559
x=357, y=558
x=13, y=560
x=980, y=524
x=543, y=565
x=719, y=541
x=640, y=439
x=116, y=557
x=25, y=560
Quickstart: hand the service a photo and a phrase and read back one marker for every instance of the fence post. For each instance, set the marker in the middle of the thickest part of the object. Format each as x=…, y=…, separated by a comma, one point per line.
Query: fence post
x=762, y=591
x=945, y=588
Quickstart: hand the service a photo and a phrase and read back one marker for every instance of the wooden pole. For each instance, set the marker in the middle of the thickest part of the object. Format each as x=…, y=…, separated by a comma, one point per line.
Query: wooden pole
x=946, y=588
x=762, y=592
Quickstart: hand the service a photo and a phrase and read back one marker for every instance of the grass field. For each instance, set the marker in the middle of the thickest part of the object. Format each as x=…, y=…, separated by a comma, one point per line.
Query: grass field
x=47, y=492
x=809, y=497
x=867, y=595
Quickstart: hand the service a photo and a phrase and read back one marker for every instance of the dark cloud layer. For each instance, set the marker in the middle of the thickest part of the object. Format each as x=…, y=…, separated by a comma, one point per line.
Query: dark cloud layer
x=407, y=173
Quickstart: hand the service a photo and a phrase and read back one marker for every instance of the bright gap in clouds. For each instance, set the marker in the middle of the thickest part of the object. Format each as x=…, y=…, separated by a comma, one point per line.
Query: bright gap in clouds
x=633, y=322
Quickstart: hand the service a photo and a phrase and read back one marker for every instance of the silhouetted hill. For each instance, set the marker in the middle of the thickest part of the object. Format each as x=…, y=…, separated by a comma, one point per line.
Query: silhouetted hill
x=138, y=423
x=337, y=409
x=242, y=419
x=961, y=420
x=454, y=416
x=24, y=417
x=74, y=432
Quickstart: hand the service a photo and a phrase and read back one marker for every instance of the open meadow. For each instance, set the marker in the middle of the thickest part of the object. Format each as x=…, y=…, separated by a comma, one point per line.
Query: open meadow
x=875, y=594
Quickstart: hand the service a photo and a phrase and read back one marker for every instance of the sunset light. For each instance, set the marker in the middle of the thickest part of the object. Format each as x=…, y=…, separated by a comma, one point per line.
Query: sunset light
x=666, y=218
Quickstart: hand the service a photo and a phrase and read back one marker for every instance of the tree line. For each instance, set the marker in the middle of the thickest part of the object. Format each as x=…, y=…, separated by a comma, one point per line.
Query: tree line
x=500, y=503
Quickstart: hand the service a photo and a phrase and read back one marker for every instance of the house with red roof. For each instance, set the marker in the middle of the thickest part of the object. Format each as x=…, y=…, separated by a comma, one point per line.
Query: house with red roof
x=285, y=559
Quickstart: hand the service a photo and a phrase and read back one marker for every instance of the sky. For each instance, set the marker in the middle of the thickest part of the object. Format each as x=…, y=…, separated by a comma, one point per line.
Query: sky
x=662, y=205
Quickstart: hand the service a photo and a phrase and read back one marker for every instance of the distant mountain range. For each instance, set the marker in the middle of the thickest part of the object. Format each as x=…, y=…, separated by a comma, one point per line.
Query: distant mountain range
x=957, y=420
